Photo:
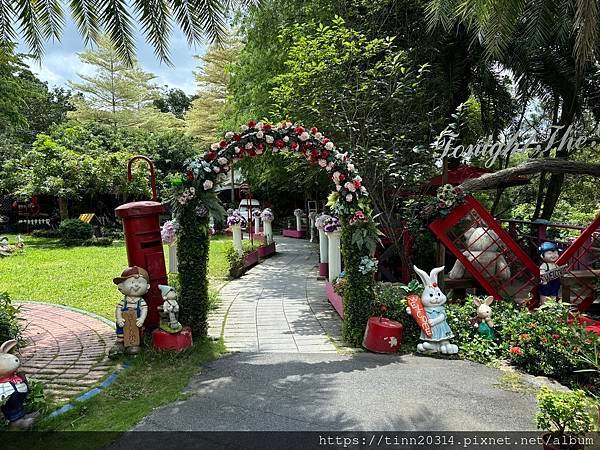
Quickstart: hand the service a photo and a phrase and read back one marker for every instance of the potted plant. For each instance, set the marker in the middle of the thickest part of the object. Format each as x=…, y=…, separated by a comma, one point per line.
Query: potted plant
x=566, y=418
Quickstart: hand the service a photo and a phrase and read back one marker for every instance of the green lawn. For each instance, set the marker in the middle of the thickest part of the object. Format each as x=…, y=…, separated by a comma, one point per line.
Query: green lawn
x=79, y=276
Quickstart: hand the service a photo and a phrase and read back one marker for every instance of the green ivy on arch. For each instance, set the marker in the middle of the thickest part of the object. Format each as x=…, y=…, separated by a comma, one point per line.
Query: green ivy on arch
x=193, y=200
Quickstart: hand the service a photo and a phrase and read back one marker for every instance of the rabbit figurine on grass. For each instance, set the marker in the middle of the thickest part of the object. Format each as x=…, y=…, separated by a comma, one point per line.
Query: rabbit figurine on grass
x=13, y=389
x=433, y=300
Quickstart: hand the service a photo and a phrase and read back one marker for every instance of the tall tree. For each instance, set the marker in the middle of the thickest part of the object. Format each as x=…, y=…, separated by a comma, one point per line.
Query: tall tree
x=38, y=21
x=174, y=101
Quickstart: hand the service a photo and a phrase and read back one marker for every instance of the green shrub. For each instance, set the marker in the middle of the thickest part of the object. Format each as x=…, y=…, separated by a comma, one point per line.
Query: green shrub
x=75, y=231
x=561, y=412
x=10, y=328
x=234, y=260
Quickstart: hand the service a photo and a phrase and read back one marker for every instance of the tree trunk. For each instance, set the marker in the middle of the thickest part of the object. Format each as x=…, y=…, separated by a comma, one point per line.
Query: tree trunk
x=63, y=208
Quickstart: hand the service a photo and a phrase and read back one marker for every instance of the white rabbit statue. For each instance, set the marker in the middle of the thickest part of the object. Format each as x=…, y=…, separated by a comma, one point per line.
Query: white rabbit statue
x=13, y=389
x=433, y=300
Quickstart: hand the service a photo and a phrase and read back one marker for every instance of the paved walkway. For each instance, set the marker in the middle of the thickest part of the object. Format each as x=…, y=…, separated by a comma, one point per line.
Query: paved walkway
x=365, y=391
x=279, y=305
x=67, y=350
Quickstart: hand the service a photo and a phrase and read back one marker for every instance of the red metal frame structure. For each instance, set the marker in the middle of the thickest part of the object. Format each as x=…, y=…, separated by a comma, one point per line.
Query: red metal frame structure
x=582, y=257
x=453, y=232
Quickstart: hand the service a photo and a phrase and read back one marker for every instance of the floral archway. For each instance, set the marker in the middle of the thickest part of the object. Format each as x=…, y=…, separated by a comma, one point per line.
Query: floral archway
x=193, y=199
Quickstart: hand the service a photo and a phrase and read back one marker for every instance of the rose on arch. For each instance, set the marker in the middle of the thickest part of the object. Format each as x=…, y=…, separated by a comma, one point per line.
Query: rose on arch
x=208, y=184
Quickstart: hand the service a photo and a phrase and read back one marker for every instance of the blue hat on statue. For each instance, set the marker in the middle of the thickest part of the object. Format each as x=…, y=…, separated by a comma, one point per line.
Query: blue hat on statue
x=164, y=289
x=547, y=247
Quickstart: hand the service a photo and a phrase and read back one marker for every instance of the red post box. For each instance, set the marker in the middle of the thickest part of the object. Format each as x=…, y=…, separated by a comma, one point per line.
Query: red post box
x=144, y=243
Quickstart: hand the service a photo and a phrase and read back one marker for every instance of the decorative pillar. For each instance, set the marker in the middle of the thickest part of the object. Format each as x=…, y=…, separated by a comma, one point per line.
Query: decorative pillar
x=268, y=230
x=311, y=225
x=173, y=258
x=323, y=253
x=334, y=255
x=256, y=224
x=298, y=223
x=237, y=238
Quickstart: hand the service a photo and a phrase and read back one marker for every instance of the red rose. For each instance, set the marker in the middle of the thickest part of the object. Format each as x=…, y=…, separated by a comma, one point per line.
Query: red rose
x=556, y=336
x=314, y=154
x=251, y=124
x=314, y=130
x=516, y=350
x=294, y=145
x=223, y=144
x=325, y=154
x=260, y=146
x=299, y=130
x=251, y=152
x=190, y=175
x=267, y=126
x=342, y=177
x=357, y=184
x=325, y=141
x=236, y=137
x=211, y=155
x=279, y=143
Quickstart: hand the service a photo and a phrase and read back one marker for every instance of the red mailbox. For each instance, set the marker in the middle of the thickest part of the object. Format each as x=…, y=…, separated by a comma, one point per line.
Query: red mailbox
x=144, y=243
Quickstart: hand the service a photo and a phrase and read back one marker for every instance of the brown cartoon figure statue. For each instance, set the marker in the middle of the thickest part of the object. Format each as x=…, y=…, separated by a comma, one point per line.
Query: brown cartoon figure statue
x=131, y=312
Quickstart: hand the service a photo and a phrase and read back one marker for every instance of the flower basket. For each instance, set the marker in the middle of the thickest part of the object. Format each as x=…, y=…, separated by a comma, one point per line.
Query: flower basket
x=267, y=250
x=251, y=259
x=335, y=299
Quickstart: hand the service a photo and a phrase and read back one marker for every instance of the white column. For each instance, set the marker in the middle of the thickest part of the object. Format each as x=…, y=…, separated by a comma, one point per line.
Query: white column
x=299, y=223
x=237, y=238
x=334, y=255
x=256, y=225
x=323, y=245
x=173, y=258
x=268, y=230
x=311, y=224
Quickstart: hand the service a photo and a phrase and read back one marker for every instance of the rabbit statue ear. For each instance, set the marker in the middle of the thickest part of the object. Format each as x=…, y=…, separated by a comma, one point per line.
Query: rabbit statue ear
x=433, y=275
x=489, y=300
x=422, y=275
x=8, y=346
x=477, y=301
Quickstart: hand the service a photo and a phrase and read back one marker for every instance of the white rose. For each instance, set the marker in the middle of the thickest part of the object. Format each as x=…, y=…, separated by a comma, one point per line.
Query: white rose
x=286, y=139
x=350, y=186
x=329, y=146
x=244, y=127
x=338, y=187
x=329, y=166
x=216, y=169
x=348, y=197
x=259, y=125
x=304, y=136
x=192, y=191
x=363, y=189
x=322, y=162
x=222, y=160
x=207, y=185
x=350, y=167
x=229, y=135
x=214, y=147
x=270, y=139
x=237, y=149
x=260, y=134
x=259, y=151
x=274, y=149
x=319, y=135
x=249, y=146
x=336, y=176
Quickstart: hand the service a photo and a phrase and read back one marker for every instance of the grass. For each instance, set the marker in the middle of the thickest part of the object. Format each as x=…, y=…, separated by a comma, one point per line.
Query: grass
x=79, y=276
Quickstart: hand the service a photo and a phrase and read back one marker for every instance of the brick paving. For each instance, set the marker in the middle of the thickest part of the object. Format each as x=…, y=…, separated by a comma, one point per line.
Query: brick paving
x=279, y=306
x=66, y=350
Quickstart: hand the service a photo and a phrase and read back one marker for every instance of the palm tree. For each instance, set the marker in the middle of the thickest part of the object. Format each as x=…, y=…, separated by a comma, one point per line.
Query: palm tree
x=40, y=20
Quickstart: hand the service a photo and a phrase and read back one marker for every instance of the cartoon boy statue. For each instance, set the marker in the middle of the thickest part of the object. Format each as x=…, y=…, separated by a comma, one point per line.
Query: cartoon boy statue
x=550, y=277
x=132, y=310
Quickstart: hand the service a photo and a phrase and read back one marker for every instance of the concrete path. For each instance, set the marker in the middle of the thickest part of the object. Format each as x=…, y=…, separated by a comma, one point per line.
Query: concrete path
x=310, y=392
x=67, y=350
x=279, y=305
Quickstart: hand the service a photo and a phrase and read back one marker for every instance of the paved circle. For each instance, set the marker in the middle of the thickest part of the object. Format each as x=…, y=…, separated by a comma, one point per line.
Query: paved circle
x=66, y=350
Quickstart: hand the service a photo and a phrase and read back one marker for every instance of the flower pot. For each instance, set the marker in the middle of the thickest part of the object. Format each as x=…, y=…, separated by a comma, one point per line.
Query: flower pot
x=382, y=335
x=335, y=299
x=565, y=442
x=267, y=250
x=251, y=259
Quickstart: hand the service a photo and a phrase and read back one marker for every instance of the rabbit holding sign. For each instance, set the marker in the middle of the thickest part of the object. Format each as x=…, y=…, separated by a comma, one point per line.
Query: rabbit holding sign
x=433, y=300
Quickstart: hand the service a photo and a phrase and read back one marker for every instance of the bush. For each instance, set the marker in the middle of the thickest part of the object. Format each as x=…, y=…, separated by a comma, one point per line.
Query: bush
x=560, y=412
x=234, y=260
x=9, y=324
x=75, y=231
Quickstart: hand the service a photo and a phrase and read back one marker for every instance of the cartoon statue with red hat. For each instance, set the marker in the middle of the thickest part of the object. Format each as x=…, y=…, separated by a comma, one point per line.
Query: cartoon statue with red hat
x=132, y=310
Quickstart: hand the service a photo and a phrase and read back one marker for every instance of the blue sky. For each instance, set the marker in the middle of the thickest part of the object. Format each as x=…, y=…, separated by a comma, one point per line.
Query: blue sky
x=60, y=62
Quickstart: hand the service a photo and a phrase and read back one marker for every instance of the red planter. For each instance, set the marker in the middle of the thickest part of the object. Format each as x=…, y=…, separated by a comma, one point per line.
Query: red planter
x=335, y=299
x=382, y=335
x=323, y=269
x=251, y=259
x=267, y=250
x=293, y=233
x=177, y=342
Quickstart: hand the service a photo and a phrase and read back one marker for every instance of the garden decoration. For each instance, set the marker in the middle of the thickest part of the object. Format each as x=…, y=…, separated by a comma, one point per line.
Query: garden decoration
x=457, y=228
x=144, y=243
x=204, y=173
x=13, y=390
x=169, y=237
x=235, y=222
x=582, y=274
x=550, y=272
x=320, y=223
x=256, y=216
x=7, y=250
x=332, y=229
x=311, y=224
x=483, y=321
x=132, y=310
x=267, y=217
x=433, y=300
x=483, y=251
x=169, y=310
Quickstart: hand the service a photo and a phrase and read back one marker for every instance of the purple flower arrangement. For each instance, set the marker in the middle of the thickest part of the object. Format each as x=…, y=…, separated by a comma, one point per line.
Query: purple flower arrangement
x=332, y=225
x=236, y=219
x=168, y=232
